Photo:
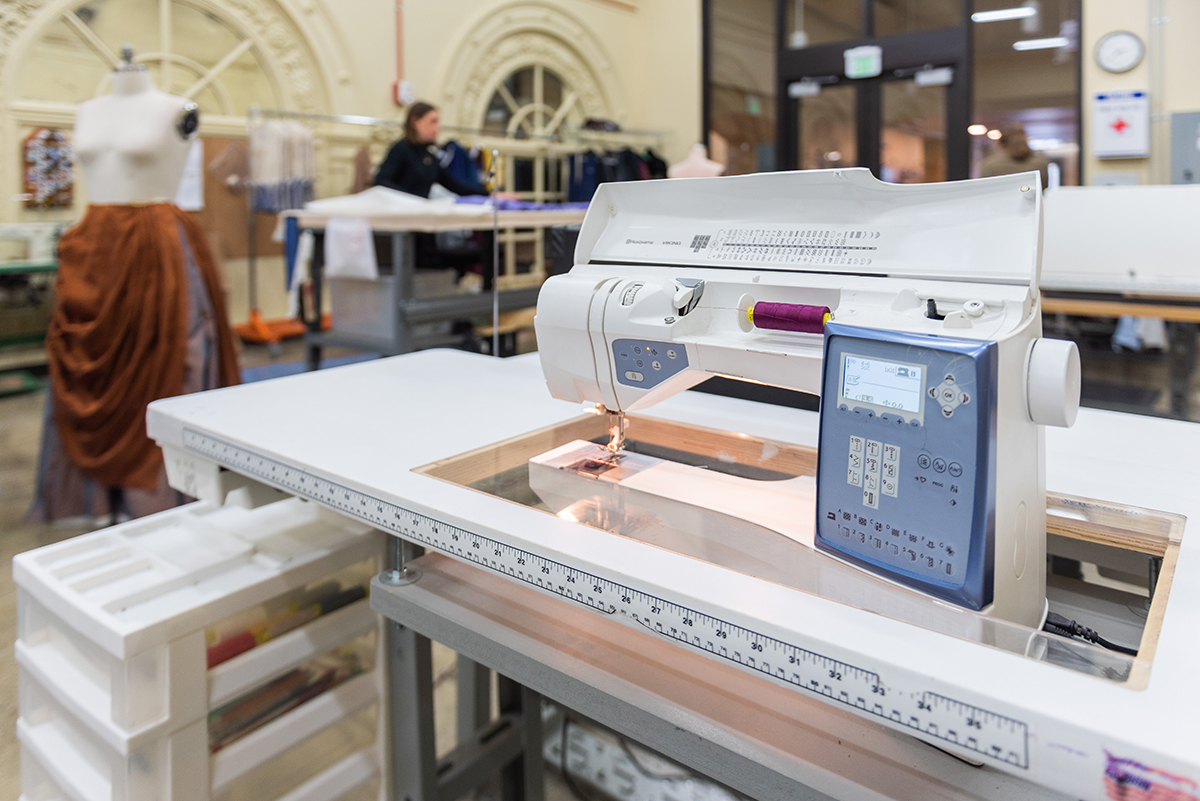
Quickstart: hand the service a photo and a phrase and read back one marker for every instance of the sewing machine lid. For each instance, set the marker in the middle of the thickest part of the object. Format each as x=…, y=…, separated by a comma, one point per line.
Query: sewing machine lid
x=829, y=221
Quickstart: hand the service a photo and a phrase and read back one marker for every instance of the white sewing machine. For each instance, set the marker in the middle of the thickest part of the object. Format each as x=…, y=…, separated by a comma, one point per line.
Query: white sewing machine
x=933, y=376
x=405, y=446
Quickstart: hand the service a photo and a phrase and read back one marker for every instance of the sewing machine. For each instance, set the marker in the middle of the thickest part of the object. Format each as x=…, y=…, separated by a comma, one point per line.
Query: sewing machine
x=912, y=311
x=834, y=658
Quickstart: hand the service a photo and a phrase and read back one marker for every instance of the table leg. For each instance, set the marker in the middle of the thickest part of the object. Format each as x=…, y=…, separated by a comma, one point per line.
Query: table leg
x=317, y=268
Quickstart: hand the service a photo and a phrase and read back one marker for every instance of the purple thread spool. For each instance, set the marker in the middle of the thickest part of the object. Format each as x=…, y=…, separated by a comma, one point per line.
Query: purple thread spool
x=790, y=317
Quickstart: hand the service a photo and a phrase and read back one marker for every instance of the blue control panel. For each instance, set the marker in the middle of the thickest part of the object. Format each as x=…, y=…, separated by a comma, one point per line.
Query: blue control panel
x=646, y=364
x=906, y=459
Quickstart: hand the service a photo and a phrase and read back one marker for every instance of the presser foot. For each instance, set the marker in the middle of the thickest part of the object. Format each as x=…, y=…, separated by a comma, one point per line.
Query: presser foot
x=616, y=431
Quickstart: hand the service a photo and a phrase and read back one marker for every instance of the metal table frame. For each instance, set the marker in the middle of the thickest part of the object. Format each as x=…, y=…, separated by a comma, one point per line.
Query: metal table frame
x=409, y=311
x=758, y=739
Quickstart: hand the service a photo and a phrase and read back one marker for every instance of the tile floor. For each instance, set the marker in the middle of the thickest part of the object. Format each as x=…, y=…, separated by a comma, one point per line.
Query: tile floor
x=20, y=432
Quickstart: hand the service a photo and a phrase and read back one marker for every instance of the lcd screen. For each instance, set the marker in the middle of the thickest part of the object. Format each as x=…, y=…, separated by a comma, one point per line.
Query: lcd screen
x=882, y=383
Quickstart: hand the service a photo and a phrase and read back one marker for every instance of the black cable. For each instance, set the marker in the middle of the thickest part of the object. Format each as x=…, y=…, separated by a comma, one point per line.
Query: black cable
x=1057, y=624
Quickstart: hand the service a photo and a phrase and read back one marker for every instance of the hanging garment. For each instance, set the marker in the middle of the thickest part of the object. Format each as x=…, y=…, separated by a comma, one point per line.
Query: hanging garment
x=139, y=315
x=282, y=167
x=583, y=176
x=656, y=163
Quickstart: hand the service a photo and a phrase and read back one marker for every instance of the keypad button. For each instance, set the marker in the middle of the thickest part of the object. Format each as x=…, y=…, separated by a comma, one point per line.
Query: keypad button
x=670, y=354
x=856, y=444
x=949, y=379
x=639, y=363
x=939, y=465
x=915, y=423
x=955, y=469
x=933, y=392
x=872, y=465
x=871, y=498
x=856, y=461
x=854, y=477
x=947, y=412
x=889, y=486
x=636, y=349
x=889, y=469
x=633, y=375
x=873, y=447
x=948, y=395
x=923, y=461
x=871, y=481
x=843, y=408
x=657, y=365
x=964, y=397
x=891, y=453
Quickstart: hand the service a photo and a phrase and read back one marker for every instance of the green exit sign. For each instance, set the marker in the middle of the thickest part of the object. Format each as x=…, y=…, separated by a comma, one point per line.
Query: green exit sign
x=864, y=62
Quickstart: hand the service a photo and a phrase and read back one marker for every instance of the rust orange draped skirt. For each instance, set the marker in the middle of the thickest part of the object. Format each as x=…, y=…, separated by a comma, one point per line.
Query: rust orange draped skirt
x=119, y=334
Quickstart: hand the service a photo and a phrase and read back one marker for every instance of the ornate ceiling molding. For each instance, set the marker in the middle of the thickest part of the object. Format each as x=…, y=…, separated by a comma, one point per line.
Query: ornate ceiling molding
x=519, y=35
x=290, y=61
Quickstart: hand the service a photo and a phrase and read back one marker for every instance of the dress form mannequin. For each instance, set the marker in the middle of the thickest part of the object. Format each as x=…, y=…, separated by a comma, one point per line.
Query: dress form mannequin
x=696, y=165
x=130, y=143
x=139, y=312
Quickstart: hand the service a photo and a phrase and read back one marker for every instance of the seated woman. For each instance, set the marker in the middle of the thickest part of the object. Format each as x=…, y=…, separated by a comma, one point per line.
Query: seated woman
x=412, y=165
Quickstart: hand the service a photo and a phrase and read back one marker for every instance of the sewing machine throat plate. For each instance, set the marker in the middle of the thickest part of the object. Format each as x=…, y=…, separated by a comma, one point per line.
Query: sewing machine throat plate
x=906, y=459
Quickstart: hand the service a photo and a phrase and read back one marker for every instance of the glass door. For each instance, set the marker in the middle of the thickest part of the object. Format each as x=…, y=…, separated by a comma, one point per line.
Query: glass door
x=912, y=142
x=828, y=129
x=907, y=123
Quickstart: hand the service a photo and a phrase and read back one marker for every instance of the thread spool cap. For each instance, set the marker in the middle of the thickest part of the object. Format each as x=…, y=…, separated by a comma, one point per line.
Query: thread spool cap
x=974, y=308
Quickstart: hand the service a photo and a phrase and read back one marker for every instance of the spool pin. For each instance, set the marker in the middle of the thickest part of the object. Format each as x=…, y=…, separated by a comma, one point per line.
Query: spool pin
x=789, y=317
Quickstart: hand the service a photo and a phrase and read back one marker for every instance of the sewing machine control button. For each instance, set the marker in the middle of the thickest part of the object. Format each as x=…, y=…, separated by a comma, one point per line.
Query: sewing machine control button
x=949, y=378
x=891, y=453
x=855, y=460
x=955, y=469
x=947, y=411
x=939, y=465
x=657, y=365
x=856, y=444
x=872, y=465
x=872, y=448
x=640, y=363
x=948, y=395
x=889, y=487
x=964, y=397
x=871, y=481
x=923, y=461
x=889, y=469
x=671, y=354
x=871, y=498
x=915, y=423
x=636, y=349
x=633, y=375
x=933, y=392
x=854, y=477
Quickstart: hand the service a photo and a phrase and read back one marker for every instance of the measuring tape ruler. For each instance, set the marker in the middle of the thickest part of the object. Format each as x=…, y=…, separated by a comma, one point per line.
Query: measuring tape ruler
x=1002, y=740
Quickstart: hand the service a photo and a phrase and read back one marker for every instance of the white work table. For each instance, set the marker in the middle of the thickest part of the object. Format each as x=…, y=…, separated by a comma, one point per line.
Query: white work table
x=367, y=426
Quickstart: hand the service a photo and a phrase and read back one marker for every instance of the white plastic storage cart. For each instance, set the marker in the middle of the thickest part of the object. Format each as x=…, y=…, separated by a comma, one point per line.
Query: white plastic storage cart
x=117, y=699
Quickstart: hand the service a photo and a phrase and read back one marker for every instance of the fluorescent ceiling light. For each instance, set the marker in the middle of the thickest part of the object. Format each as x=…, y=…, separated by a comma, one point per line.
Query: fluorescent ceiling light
x=1001, y=14
x=1041, y=44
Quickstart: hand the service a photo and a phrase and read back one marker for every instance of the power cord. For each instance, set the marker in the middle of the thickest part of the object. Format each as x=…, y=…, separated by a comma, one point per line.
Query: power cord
x=1057, y=624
